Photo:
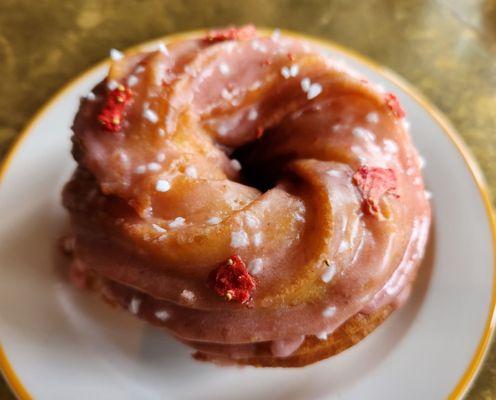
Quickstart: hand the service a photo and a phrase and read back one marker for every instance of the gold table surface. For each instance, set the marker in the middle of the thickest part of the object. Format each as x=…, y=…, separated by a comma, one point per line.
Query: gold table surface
x=446, y=48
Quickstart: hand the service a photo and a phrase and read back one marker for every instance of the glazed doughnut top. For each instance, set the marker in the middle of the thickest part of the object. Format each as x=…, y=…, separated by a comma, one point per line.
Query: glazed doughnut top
x=244, y=188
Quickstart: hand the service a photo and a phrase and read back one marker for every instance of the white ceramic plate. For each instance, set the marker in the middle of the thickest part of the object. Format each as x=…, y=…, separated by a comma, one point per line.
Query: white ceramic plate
x=59, y=343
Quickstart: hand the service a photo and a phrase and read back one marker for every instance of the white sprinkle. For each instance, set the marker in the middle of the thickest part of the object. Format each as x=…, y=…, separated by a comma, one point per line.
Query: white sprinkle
x=257, y=239
x=132, y=80
x=162, y=186
x=160, y=157
x=314, y=90
x=163, y=48
x=276, y=34
x=422, y=162
x=153, y=166
x=161, y=132
x=139, y=69
x=333, y=172
x=362, y=133
x=176, y=223
x=299, y=217
x=158, y=228
x=140, y=169
x=90, y=96
x=329, y=273
x=239, y=239
x=372, y=118
x=329, y=312
x=428, y=195
x=150, y=115
x=417, y=181
x=294, y=70
x=188, y=295
x=305, y=84
x=390, y=146
x=191, y=172
x=112, y=84
x=406, y=124
x=161, y=238
x=162, y=315
x=224, y=68
x=116, y=55
x=321, y=335
x=226, y=94
x=344, y=245
x=255, y=266
x=236, y=164
x=214, y=220
x=410, y=171
x=252, y=114
x=251, y=220
x=285, y=72
x=134, y=305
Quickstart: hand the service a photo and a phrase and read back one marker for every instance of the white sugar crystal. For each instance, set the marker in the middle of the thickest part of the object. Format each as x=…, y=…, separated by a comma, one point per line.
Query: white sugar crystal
x=150, y=115
x=139, y=69
x=214, y=220
x=252, y=114
x=160, y=157
x=417, y=181
x=239, y=239
x=112, y=84
x=406, y=124
x=191, y=172
x=294, y=70
x=236, y=164
x=251, y=220
x=362, y=133
x=177, y=222
x=163, y=48
x=257, y=239
x=226, y=94
x=134, y=305
x=140, y=169
x=116, y=55
x=162, y=185
x=390, y=146
x=224, y=68
x=153, y=166
x=329, y=273
x=343, y=246
x=314, y=90
x=255, y=266
x=162, y=315
x=322, y=335
x=299, y=217
x=285, y=72
x=428, y=195
x=329, y=312
x=90, y=96
x=305, y=84
x=276, y=34
x=334, y=173
x=410, y=171
x=158, y=228
x=132, y=80
x=372, y=118
x=188, y=295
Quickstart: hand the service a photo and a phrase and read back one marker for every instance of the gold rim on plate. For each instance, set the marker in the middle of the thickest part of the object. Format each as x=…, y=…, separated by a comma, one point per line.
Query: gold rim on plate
x=471, y=370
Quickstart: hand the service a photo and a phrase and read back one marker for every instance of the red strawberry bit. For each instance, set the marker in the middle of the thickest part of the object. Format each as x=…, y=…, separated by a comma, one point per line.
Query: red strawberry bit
x=373, y=183
x=113, y=111
x=291, y=57
x=266, y=62
x=245, y=32
x=232, y=281
x=259, y=132
x=394, y=105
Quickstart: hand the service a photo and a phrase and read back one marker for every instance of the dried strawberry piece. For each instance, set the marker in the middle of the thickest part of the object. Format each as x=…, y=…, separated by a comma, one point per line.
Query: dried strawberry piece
x=373, y=183
x=246, y=32
x=259, y=132
x=113, y=111
x=232, y=281
x=394, y=105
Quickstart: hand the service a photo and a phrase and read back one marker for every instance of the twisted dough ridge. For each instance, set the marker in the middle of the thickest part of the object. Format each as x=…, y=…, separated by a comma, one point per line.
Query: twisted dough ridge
x=324, y=206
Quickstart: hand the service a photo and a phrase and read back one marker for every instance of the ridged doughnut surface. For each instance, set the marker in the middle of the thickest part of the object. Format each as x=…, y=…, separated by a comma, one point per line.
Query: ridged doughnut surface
x=260, y=201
